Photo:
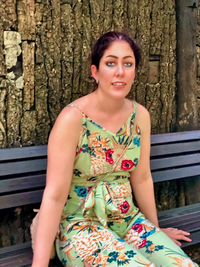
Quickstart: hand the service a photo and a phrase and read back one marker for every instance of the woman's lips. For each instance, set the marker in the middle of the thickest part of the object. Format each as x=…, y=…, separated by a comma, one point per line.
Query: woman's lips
x=119, y=84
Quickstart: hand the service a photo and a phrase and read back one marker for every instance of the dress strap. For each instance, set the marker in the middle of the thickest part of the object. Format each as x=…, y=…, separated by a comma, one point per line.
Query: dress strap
x=77, y=107
x=134, y=106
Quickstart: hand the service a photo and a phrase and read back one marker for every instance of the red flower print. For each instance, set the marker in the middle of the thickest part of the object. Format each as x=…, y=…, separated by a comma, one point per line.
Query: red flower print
x=143, y=243
x=109, y=158
x=137, y=227
x=127, y=164
x=124, y=207
x=89, y=188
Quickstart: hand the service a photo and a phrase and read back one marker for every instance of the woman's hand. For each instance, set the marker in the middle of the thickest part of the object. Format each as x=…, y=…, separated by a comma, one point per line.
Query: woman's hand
x=176, y=234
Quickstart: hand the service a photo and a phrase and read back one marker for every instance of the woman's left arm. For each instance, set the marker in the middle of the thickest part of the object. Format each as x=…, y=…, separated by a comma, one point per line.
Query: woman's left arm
x=141, y=179
x=142, y=183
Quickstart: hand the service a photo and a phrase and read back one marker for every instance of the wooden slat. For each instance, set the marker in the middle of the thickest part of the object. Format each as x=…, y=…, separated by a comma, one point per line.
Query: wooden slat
x=187, y=218
x=166, y=175
x=170, y=162
x=186, y=223
x=175, y=137
x=175, y=148
x=28, y=182
x=20, y=199
x=22, y=152
x=11, y=249
x=181, y=211
x=17, y=258
x=195, y=236
x=19, y=167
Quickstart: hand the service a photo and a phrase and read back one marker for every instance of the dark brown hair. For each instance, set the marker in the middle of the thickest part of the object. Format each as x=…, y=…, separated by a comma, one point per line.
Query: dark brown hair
x=104, y=42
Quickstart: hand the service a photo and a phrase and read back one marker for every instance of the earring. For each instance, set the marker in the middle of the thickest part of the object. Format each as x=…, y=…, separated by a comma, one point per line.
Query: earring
x=97, y=82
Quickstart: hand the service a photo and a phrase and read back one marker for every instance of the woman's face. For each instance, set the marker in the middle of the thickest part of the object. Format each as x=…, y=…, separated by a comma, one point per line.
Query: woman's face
x=116, y=71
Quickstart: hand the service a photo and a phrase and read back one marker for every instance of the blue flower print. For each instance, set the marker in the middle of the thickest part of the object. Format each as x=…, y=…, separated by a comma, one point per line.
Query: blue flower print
x=135, y=162
x=136, y=141
x=81, y=191
x=77, y=173
x=112, y=256
x=130, y=254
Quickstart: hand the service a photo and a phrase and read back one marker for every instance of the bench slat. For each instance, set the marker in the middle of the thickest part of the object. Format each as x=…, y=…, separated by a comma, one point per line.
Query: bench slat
x=19, y=167
x=188, y=224
x=195, y=236
x=8, y=250
x=186, y=218
x=175, y=161
x=179, y=173
x=179, y=212
x=28, y=182
x=175, y=148
x=20, y=199
x=19, y=258
x=175, y=137
x=23, y=152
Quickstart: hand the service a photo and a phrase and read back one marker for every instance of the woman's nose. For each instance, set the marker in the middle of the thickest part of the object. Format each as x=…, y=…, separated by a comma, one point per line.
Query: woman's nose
x=120, y=69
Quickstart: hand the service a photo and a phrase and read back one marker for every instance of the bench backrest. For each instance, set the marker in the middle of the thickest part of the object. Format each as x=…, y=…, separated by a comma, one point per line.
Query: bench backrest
x=22, y=175
x=22, y=170
x=175, y=155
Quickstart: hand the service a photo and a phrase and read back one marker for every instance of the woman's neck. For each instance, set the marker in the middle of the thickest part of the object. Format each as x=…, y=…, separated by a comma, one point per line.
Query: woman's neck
x=107, y=105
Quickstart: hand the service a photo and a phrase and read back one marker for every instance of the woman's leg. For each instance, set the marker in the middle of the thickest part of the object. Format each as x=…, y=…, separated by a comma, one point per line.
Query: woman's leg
x=156, y=246
x=93, y=245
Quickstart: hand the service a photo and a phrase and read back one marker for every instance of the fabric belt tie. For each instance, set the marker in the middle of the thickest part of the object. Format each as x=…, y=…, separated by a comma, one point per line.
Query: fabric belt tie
x=100, y=203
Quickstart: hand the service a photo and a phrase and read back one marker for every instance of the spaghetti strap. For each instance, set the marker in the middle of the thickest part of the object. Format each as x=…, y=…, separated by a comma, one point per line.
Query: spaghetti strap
x=77, y=107
x=134, y=106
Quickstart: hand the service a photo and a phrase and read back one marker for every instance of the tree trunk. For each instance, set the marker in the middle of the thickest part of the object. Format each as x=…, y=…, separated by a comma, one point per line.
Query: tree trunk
x=187, y=115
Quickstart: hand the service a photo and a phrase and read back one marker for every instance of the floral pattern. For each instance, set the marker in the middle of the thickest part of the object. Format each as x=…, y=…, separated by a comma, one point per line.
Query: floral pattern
x=124, y=207
x=100, y=224
x=127, y=165
x=109, y=158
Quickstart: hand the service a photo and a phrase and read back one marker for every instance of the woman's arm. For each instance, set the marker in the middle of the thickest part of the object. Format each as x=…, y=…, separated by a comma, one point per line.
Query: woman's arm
x=62, y=145
x=141, y=179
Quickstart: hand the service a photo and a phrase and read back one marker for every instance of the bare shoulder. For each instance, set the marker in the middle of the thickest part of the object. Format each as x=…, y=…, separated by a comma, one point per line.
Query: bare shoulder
x=69, y=116
x=142, y=112
x=143, y=117
x=67, y=126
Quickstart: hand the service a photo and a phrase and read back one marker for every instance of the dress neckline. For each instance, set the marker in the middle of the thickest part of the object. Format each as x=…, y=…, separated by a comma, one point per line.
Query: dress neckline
x=100, y=126
x=106, y=130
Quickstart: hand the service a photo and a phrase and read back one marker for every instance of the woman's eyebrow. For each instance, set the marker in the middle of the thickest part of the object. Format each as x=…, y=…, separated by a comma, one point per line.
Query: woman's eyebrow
x=117, y=57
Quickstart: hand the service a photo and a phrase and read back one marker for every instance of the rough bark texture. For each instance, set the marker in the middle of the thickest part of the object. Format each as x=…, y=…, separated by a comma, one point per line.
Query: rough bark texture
x=44, y=65
x=186, y=66
x=51, y=60
x=198, y=58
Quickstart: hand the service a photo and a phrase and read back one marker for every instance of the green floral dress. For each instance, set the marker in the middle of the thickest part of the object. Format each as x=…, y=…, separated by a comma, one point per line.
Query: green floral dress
x=100, y=224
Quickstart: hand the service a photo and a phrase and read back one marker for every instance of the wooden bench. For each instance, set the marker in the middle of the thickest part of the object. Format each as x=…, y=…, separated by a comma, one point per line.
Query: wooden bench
x=22, y=179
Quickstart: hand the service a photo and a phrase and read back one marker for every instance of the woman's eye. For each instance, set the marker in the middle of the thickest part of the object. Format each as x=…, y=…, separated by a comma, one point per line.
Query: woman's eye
x=110, y=64
x=128, y=64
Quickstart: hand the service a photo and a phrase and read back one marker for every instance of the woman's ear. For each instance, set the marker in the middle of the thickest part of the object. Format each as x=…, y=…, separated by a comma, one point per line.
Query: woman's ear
x=94, y=72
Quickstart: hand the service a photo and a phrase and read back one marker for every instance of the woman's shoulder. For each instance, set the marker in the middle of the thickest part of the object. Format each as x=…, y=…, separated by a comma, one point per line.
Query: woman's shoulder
x=70, y=115
x=69, y=119
x=143, y=118
x=141, y=111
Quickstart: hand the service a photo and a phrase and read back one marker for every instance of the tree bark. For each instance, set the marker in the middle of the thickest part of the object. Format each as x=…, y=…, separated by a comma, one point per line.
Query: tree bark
x=187, y=115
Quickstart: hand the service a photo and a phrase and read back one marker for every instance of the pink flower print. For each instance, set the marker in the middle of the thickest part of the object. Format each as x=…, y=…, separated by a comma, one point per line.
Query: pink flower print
x=143, y=243
x=109, y=158
x=127, y=164
x=89, y=188
x=137, y=227
x=77, y=153
x=124, y=207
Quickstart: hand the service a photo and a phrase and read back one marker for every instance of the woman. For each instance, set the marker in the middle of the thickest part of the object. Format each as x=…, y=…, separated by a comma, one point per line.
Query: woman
x=98, y=153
